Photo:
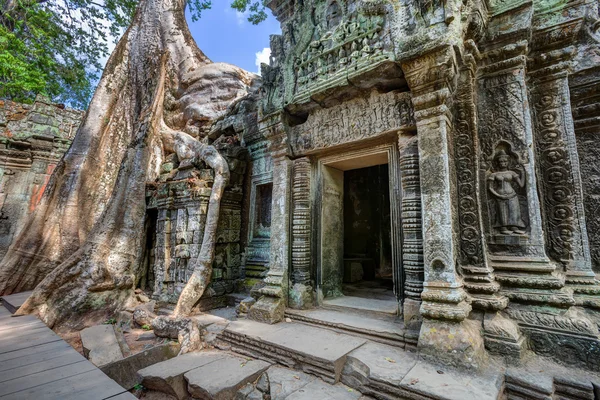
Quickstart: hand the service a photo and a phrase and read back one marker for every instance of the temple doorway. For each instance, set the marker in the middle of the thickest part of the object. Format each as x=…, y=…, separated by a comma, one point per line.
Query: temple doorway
x=368, y=271
x=358, y=263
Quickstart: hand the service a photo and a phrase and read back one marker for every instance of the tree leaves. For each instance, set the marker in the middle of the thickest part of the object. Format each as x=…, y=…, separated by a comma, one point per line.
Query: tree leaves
x=55, y=47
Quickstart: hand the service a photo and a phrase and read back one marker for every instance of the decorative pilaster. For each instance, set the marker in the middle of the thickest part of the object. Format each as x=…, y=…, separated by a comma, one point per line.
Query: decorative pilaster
x=301, y=294
x=508, y=184
x=270, y=307
x=412, y=235
x=478, y=276
x=445, y=332
x=558, y=166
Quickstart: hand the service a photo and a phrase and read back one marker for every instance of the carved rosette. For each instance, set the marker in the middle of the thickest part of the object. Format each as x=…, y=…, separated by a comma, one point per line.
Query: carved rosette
x=412, y=234
x=301, y=256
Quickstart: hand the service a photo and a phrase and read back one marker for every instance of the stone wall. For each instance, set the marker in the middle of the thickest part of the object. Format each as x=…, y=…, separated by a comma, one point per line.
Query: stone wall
x=33, y=138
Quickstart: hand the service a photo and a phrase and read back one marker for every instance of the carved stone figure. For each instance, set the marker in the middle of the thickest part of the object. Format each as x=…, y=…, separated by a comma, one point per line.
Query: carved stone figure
x=182, y=255
x=503, y=184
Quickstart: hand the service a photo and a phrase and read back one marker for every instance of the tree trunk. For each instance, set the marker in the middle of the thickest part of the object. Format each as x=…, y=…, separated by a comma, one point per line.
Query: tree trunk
x=82, y=247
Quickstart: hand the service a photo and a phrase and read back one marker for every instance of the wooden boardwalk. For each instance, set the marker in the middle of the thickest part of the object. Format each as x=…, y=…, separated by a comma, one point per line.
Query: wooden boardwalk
x=35, y=363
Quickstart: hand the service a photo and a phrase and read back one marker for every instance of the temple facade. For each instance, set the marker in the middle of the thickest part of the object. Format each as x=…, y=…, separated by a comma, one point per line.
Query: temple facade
x=436, y=160
x=434, y=163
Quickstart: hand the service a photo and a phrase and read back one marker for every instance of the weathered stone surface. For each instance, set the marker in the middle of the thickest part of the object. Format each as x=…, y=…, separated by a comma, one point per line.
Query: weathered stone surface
x=377, y=362
x=211, y=381
x=124, y=371
x=429, y=380
x=284, y=381
x=318, y=389
x=311, y=349
x=268, y=310
x=168, y=376
x=100, y=345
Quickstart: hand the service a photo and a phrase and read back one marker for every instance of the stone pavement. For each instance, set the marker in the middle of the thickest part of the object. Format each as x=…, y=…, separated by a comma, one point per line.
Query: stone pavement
x=35, y=363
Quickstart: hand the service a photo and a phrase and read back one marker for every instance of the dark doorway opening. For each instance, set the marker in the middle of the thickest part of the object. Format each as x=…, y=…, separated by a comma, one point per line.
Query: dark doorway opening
x=368, y=265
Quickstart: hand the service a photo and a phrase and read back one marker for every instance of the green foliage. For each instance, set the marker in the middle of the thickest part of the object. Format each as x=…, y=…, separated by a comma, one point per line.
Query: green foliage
x=111, y=321
x=146, y=327
x=138, y=386
x=54, y=47
x=256, y=8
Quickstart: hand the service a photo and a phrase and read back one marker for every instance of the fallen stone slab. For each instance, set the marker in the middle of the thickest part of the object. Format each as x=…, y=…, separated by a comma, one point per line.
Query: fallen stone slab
x=284, y=381
x=221, y=379
x=124, y=371
x=377, y=369
x=168, y=376
x=100, y=345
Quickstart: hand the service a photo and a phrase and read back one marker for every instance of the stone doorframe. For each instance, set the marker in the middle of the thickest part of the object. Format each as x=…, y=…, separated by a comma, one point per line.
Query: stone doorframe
x=328, y=198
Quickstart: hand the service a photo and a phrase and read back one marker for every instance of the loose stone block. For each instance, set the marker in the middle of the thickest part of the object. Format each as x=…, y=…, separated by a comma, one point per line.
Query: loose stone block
x=124, y=371
x=220, y=380
x=100, y=345
x=168, y=376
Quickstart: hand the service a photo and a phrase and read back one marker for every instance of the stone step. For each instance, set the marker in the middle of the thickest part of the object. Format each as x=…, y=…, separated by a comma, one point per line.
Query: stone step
x=314, y=350
x=362, y=306
x=383, y=330
x=12, y=302
x=385, y=372
x=206, y=375
x=538, y=381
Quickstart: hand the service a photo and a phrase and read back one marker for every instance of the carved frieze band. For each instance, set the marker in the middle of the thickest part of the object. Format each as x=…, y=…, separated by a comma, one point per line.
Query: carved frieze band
x=301, y=257
x=412, y=235
x=353, y=121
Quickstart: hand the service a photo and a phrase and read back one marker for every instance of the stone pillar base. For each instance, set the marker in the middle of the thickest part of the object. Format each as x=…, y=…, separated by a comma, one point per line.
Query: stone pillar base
x=269, y=310
x=301, y=297
x=412, y=321
x=503, y=337
x=457, y=344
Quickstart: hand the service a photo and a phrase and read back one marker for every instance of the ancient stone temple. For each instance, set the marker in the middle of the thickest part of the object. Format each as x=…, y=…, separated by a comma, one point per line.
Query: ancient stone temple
x=33, y=138
x=432, y=166
x=436, y=160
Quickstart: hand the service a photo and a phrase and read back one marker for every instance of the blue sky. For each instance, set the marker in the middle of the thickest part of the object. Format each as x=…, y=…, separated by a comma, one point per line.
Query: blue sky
x=225, y=35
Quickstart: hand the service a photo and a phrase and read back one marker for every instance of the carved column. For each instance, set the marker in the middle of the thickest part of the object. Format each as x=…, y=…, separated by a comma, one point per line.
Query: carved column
x=508, y=183
x=270, y=307
x=445, y=334
x=558, y=166
x=478, y=276
x=301, y=294
x=412, y=234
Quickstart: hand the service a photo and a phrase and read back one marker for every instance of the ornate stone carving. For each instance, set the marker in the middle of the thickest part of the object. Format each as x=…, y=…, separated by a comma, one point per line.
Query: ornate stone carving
x=301, y=295
x=344, y=45
x=505, y=179
x=479, y=280
x=558, y=160
x=412, y=235
x=352, y=121
x=301, y=228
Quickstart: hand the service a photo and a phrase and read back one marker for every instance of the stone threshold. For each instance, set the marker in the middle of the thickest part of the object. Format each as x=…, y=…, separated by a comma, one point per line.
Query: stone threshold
x=362, y=306
x=386, y=329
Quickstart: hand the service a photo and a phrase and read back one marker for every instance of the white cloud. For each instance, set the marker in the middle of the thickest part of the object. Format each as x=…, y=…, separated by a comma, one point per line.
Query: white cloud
x=240, y=18
x=262, y=57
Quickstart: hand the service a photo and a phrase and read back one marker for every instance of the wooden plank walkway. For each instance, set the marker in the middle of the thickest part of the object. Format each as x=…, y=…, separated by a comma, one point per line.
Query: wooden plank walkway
x=12, y=302
x=35, y=363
